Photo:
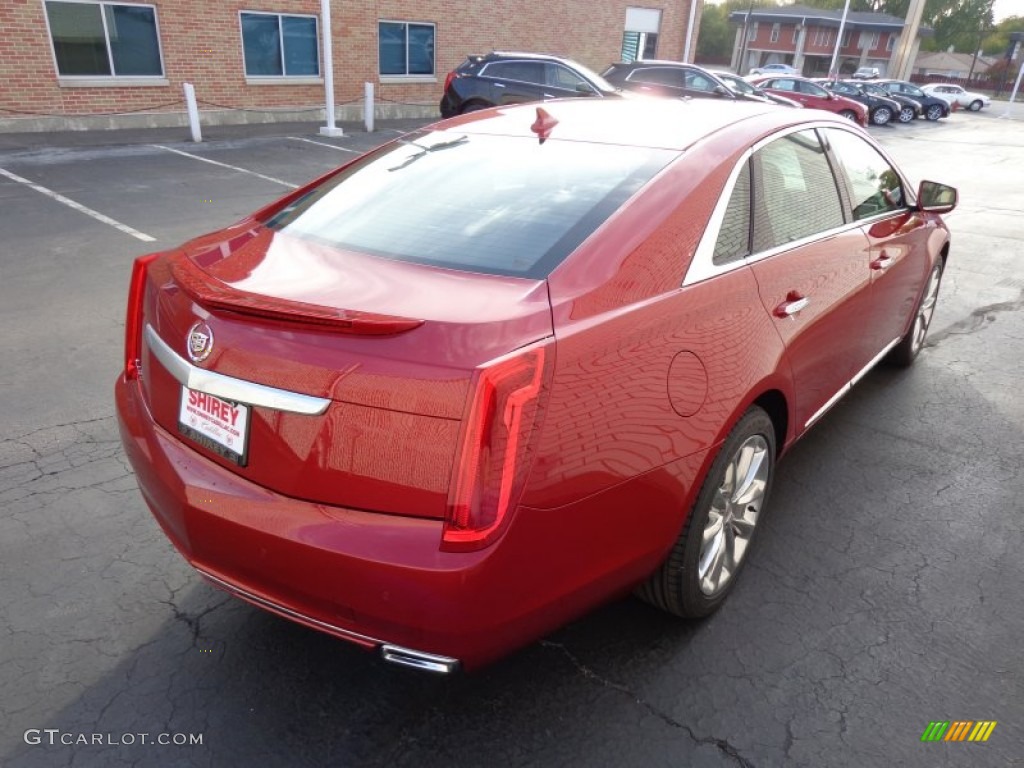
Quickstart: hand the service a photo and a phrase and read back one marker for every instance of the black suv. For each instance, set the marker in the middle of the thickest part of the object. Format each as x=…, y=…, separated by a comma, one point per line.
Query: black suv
x=881, y=109
x=668, y=78
x=511, y=78
x=933, y=107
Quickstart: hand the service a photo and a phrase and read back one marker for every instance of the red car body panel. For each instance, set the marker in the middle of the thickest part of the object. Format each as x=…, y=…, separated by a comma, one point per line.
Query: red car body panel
x=338, y=519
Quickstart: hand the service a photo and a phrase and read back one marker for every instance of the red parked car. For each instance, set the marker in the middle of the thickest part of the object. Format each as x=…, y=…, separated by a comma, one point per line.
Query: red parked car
x=488, y=376
x=813, y=96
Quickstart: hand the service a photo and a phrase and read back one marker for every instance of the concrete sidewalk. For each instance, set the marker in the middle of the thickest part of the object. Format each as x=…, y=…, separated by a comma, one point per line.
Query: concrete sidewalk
x=122, y=137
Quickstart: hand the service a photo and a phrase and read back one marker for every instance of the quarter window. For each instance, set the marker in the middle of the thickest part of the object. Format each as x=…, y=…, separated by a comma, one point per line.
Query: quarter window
x=734, y=237
x=796, y=196
x=874, y=185
x=519, y=71
x=104, y=39
x=405, y=48
x=279, y=45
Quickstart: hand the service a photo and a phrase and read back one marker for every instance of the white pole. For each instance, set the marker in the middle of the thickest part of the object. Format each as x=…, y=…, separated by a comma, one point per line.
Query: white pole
x=1016, y=87
x=689, y=30
x=325, y=23
x=833, y=73
x=368, y=108
x=193, y=112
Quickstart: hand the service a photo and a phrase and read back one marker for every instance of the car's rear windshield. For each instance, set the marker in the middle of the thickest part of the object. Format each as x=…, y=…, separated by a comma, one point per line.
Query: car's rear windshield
x=493, y=204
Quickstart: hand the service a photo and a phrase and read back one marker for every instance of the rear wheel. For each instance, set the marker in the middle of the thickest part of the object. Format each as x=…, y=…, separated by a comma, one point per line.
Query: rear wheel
x=881, y=116
x=904, y=353
x=907, y=114
x=975, y=105
x=934, y=112
x=702, y=567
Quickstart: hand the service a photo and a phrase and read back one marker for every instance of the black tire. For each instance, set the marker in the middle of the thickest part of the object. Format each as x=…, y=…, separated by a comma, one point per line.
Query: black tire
x=904, y=353
x=849, y=114
x=881, y=116
x=907, y=114
x=934, y=112
x=474, y=106
x=676, y=586
x=975, y=106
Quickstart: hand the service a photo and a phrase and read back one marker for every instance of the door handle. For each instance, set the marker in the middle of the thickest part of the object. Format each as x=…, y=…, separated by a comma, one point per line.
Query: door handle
x=549, y=96
x=500, y=85
x=883, y=262
x=794, y=303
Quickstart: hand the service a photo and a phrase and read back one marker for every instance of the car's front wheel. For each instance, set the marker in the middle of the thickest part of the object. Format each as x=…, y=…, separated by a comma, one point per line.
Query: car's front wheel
x=881, y=116
x=904, y=353
x=975, y=105
x=907, y=114
x=934, y=112
x=702, y=567
x=849, y=114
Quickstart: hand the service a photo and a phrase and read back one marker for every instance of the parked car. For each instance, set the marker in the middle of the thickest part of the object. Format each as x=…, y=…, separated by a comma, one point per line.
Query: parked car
x=774, y=69
x=881, y=109
x=495, y=372
x=956, y=94
x=668, y=78
x=500, y=78
x=932, y=107
x=910, y=109
x=867, y=73
x=813, y=96
x=739, y=85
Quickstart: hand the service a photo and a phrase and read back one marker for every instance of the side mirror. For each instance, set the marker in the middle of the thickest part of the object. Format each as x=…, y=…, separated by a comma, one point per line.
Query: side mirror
x=721, y=90
x=936, y=198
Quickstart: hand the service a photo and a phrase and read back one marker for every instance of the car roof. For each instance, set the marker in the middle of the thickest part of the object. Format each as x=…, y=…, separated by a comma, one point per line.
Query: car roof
x=521, y=55
x=645, y=122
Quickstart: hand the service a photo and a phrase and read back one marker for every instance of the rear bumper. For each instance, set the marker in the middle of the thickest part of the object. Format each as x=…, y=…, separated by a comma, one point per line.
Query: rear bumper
x=380, y=581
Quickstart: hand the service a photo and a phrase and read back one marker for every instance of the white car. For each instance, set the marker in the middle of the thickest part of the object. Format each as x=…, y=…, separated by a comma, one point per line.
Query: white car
x=774, y=69
x=954, y=93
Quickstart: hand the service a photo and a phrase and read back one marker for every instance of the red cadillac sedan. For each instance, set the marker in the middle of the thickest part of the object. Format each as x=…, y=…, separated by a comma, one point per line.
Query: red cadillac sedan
x=813, y=96
x=496, y=372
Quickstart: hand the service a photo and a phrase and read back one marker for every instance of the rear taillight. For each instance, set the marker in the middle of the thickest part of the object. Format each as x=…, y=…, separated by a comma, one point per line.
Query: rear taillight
x=133, y=319
x=494, y=453
x=448, y=80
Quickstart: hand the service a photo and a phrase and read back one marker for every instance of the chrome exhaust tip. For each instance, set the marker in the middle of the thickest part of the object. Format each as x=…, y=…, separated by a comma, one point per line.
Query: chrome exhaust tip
x=406, y=657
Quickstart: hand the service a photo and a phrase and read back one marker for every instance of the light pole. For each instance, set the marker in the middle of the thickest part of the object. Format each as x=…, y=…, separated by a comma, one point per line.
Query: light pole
x=833, y=73
x=325, y=21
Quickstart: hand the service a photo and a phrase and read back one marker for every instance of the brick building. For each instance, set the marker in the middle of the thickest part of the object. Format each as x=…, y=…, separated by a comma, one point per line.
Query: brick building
x=71, y=63
x=806, y=38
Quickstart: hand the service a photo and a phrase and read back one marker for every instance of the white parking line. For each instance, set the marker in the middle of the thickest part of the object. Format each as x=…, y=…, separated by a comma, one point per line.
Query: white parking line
x=225, y=165
x=324, y=144
x=79, y=207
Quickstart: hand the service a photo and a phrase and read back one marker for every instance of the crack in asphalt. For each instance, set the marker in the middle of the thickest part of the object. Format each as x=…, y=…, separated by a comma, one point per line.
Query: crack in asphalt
x=721, y=744
x=194, y=623
x=975, y=321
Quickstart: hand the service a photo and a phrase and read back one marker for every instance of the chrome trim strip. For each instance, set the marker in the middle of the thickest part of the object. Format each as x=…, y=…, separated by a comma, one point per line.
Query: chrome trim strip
x=395, y=654
x=228, y=387
x=874, y=361
x=430, y=662
x=850, y=384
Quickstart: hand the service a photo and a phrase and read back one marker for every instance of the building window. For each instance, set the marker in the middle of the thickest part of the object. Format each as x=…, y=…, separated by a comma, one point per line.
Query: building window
x=753, y=32
x=891, y=42
x=639, y=45
x=279, y=45
x=405, y=48
x=104, y=39
x=847, y=34
x=775, y=33
x=796, y=34
x=868, y=41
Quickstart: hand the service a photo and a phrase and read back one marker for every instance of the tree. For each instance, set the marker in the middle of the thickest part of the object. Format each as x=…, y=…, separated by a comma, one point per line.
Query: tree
x=716, y=35
x=996, y=43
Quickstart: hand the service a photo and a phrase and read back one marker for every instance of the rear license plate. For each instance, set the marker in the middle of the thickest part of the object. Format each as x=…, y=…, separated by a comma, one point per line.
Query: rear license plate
x=216, y=424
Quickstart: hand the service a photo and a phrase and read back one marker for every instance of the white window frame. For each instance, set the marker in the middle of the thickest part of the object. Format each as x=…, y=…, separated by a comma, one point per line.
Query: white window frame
x=845, y=42
x=753, y=33
x=891, y=42
x=112, y=80
x=407, y=78
x=284, y=78
x=776, y=29
x=871, y=42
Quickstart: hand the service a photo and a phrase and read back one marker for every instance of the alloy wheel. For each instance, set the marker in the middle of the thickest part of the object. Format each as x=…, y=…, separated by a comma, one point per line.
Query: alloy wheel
x=734, y=512
x=925, y=310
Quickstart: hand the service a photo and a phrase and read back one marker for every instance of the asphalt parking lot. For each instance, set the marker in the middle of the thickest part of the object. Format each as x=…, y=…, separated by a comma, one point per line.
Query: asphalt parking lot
x=885, y=592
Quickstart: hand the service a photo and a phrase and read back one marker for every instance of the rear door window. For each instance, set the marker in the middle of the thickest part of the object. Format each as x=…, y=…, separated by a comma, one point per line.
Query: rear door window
x=520, y=71
x=796, y=196
x=493, y=204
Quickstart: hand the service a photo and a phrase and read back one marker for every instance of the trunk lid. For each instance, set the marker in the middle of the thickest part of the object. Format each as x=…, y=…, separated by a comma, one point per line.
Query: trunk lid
x=390, y=347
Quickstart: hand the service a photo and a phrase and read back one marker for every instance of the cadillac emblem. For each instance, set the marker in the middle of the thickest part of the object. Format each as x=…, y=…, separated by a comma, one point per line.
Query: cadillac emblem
x=200, y=342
